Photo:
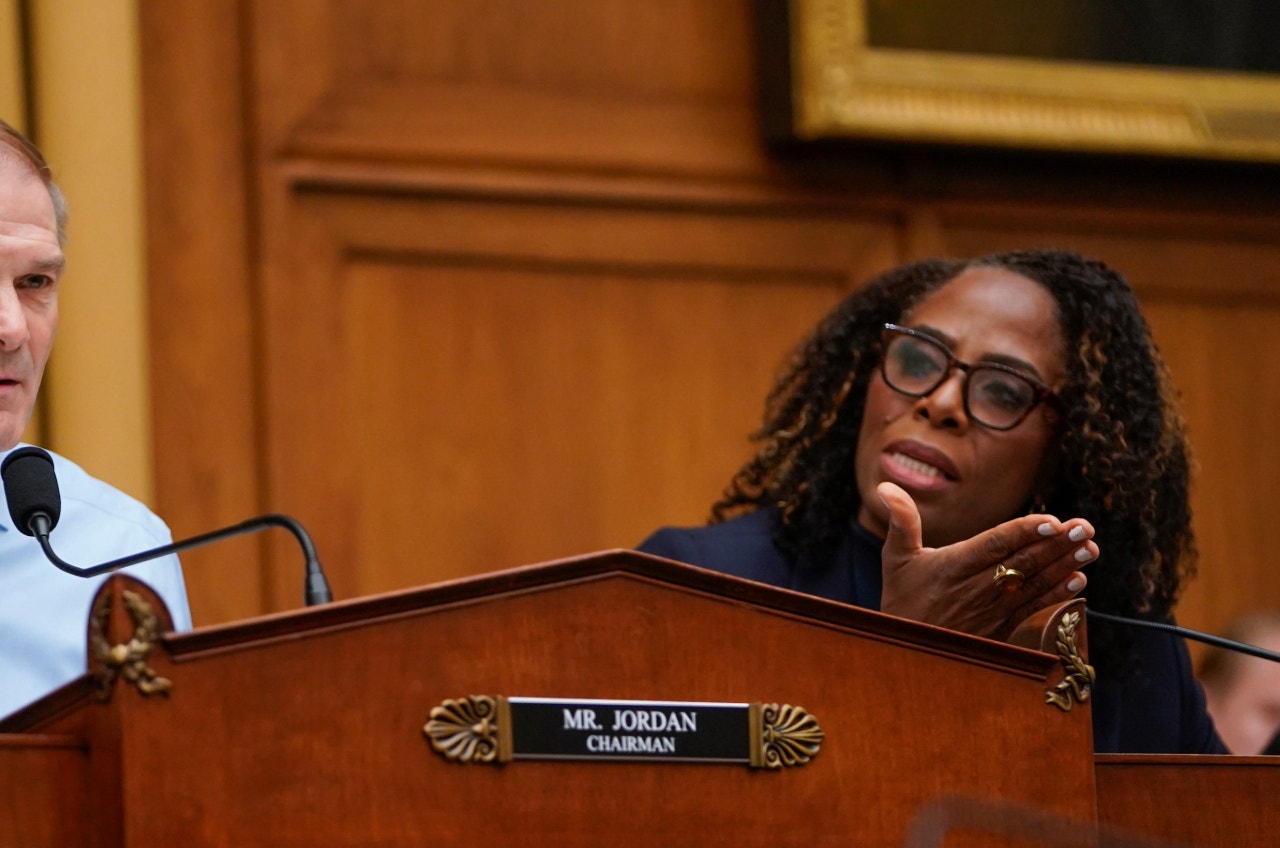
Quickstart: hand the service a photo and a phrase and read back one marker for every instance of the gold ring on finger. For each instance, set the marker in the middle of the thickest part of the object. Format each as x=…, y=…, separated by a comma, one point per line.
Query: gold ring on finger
x=1008, y=579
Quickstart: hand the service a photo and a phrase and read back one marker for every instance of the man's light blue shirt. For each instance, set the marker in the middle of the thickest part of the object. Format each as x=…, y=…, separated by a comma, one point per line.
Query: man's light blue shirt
x=44, y=612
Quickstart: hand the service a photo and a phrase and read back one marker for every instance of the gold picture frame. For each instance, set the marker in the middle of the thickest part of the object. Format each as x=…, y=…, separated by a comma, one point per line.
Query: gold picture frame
x=835, y=85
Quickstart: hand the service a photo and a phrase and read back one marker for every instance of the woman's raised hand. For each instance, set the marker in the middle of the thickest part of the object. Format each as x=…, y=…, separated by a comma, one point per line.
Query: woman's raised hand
x=955, y=586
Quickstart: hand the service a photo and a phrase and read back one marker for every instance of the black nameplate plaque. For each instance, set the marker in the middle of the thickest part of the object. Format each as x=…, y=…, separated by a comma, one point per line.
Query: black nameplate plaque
x=488, y=729
x=629, y=730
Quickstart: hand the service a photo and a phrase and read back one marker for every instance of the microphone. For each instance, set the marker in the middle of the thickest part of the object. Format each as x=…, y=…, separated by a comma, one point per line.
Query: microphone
x=1187, y=633
x=35, y=504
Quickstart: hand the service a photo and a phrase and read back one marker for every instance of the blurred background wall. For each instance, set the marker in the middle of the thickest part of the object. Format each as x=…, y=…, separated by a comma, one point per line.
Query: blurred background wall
x=468, y=284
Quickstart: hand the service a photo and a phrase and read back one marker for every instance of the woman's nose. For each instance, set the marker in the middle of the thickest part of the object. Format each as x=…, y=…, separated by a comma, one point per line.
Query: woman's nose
x=944, y=406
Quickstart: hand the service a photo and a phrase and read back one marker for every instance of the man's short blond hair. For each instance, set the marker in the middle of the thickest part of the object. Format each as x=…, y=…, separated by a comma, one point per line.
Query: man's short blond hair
x=19, y=146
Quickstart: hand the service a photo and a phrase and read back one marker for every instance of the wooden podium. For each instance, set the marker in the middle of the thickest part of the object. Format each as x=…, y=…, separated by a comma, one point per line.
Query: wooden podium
x=310, y=728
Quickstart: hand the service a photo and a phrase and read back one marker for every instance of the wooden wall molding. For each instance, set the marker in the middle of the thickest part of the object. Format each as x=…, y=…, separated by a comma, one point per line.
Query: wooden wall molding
x=594, y=286
x=202, y=239
x=777, y=193
x=1188, y=258
x=564, y=87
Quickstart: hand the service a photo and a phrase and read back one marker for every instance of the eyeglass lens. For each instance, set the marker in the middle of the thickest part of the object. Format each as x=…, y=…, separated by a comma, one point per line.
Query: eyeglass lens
x=993, y=396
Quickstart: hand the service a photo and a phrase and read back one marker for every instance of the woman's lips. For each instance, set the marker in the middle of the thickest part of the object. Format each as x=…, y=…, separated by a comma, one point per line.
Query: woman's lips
x=917, y=466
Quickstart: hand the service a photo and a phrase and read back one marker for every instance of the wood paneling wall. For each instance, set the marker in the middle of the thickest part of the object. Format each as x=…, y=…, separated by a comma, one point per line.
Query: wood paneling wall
x=464, y=285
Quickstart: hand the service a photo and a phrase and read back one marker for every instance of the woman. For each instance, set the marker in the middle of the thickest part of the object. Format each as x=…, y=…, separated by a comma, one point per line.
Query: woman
x=957, y=443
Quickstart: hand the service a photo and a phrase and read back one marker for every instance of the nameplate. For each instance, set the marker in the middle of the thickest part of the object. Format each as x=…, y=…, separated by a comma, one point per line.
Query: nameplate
x=498, y=729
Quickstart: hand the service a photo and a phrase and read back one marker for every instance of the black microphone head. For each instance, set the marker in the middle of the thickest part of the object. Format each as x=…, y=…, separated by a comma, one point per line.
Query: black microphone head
x=31, y=487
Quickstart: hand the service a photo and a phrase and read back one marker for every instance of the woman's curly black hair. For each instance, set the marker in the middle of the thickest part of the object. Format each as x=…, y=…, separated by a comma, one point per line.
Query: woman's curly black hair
x=1123, y=464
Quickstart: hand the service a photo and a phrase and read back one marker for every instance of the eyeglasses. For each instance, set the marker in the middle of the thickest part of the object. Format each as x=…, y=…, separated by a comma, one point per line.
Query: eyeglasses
x=995, y=396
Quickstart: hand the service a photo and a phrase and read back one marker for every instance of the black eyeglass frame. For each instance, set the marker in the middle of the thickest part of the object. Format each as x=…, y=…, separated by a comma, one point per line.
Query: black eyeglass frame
x=1042, y=393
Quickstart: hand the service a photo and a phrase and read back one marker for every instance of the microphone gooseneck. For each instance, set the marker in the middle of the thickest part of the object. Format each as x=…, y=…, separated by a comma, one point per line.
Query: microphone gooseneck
x=35, y=505
x=1187, y=633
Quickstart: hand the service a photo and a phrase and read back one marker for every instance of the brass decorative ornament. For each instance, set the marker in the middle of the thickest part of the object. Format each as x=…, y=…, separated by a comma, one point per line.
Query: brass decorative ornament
x=783, y=736
x=127, y=659
x=1078, y=683
x=470, y=730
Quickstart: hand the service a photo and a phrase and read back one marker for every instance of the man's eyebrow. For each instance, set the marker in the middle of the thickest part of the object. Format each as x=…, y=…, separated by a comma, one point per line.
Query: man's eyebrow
x=51, y=263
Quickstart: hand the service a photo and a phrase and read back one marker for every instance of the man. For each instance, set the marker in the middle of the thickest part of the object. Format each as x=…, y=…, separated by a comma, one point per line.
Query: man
x=44, y=611
x=1243, y=692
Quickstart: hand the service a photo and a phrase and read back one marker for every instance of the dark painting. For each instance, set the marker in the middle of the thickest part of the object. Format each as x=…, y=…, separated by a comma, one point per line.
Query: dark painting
x=1239, y=36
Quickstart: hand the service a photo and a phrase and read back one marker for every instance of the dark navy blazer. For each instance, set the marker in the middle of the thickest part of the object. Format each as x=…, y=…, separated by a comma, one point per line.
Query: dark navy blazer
x=1155, y=707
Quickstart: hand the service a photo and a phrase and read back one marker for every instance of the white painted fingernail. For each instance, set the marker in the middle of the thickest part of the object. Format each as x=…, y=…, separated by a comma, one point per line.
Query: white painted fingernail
x=1045, y=529
x=1083, y=555
x=1075, y=584
x=1076, y=534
